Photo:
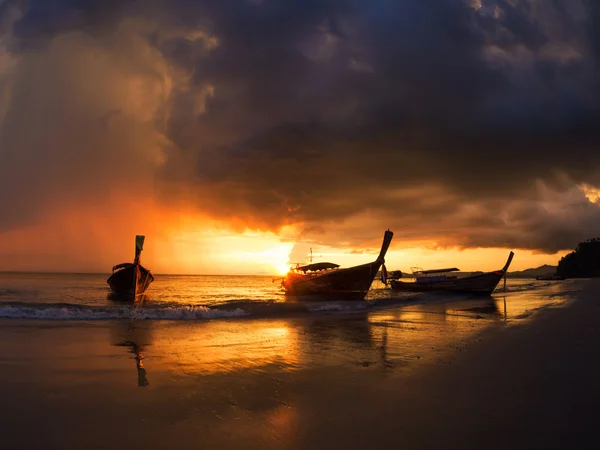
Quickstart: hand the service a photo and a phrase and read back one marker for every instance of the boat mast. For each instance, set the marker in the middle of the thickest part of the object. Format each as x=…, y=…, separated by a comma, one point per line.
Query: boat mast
x=139, y=246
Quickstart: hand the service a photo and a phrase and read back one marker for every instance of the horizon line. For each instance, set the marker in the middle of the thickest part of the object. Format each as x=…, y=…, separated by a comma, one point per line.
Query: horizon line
x=50, y=272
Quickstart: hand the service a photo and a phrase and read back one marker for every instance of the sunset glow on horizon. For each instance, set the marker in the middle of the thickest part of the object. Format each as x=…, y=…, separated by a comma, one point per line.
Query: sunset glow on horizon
x=255, y=253
x=196, y=245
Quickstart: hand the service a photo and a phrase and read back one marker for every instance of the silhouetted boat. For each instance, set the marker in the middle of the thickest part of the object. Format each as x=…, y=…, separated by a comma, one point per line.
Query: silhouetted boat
x=326, y=281
x=435, y=280
x=130, y=280
x=550, y=277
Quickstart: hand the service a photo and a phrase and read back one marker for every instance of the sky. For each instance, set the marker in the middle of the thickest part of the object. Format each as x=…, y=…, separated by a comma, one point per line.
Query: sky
x=237, y=135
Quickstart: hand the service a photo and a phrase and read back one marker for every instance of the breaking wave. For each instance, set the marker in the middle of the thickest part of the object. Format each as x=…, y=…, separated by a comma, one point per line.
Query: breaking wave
x=82, y=312
x=379, y=299
x=173, y=311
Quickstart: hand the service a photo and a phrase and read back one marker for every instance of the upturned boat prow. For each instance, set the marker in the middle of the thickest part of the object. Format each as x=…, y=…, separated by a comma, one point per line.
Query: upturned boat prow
x=326, y=281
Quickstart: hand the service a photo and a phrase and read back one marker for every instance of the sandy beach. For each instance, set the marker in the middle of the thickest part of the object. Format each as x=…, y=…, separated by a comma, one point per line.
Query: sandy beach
x=457, y=374
x=299, y=225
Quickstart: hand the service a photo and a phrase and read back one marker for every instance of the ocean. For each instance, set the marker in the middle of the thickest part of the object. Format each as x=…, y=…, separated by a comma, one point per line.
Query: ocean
x=67, y=296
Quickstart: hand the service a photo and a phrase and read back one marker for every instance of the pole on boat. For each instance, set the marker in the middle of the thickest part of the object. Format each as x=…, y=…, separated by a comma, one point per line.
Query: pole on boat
x=139, y=246
x=505, y=282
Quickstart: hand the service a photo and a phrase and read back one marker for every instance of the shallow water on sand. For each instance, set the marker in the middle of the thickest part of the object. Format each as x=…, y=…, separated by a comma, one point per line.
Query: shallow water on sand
x=277, y=379
x=393, y=337
x=196, y=297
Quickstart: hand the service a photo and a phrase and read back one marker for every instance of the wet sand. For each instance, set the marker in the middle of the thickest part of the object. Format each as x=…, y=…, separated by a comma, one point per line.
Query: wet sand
x=461, y=374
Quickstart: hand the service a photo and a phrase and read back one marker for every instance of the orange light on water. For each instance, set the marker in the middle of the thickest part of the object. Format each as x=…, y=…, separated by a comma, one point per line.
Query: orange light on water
x=227, y=346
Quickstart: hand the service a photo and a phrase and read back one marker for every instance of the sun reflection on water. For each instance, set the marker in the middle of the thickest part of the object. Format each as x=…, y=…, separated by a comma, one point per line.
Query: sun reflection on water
x=227, y=346
x=394, y=338
x=234, y=346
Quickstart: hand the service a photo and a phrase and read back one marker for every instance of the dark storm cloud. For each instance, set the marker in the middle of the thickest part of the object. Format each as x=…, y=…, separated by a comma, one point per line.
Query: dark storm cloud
x=403, y=80
x=547, y=226
x=309, y=111
x=45, y=20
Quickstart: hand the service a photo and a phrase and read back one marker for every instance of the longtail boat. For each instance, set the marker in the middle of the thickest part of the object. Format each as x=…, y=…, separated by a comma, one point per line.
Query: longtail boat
x=436, y=280
x=327, y=281
x=130, y=280
x=551, y=277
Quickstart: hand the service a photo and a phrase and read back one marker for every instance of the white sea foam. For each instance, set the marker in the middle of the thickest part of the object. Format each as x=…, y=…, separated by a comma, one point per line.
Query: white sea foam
x=98, y=313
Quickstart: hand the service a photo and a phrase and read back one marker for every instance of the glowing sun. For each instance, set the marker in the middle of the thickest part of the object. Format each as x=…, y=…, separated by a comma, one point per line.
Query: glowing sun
x=278, y=257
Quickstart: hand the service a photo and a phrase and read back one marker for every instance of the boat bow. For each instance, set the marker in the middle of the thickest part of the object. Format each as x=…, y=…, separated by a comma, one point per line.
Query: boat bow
x=385, y=245
x=508, y=261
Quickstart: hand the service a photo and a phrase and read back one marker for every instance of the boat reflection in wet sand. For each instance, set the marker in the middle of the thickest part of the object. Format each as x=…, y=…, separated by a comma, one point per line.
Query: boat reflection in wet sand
x=129, y=281
x=326, y=281
x=435, y=280
x=134, y=336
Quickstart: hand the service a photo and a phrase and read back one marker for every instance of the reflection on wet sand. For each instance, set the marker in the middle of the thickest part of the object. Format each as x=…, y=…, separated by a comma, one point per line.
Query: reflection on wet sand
x=135, y=336
x=428, y=332
x=387, y=339
x=487, y=306
x=383, y=354
x=352, y=339
x=263, y=380
x=225, y=346
x=351, y=330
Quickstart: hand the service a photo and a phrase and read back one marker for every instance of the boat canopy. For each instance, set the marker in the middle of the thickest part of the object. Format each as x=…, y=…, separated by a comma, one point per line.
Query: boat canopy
x=121, y=266
x=318, y=266
x=425, y=272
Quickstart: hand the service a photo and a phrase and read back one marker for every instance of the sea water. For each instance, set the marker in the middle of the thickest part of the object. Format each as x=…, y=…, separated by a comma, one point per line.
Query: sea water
x=67, y=296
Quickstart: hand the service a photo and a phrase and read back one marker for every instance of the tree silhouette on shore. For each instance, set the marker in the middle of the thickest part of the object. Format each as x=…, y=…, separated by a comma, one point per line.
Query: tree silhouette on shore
x=584, y=262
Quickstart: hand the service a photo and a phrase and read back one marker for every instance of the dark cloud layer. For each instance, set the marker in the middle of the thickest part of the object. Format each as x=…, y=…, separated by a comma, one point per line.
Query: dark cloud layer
x=319, y=112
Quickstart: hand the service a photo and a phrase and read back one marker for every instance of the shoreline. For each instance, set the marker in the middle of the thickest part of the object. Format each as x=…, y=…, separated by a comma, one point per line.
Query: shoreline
x=432, y=376
x=255, y=309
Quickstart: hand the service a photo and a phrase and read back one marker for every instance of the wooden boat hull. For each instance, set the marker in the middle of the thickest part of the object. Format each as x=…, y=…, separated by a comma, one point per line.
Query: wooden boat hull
x=483, y=284
x=127, y=283
x=551, y=278
x=351, y=283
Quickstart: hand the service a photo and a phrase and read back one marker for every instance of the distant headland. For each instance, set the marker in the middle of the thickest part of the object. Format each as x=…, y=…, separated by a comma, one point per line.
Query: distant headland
x=542, y=271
